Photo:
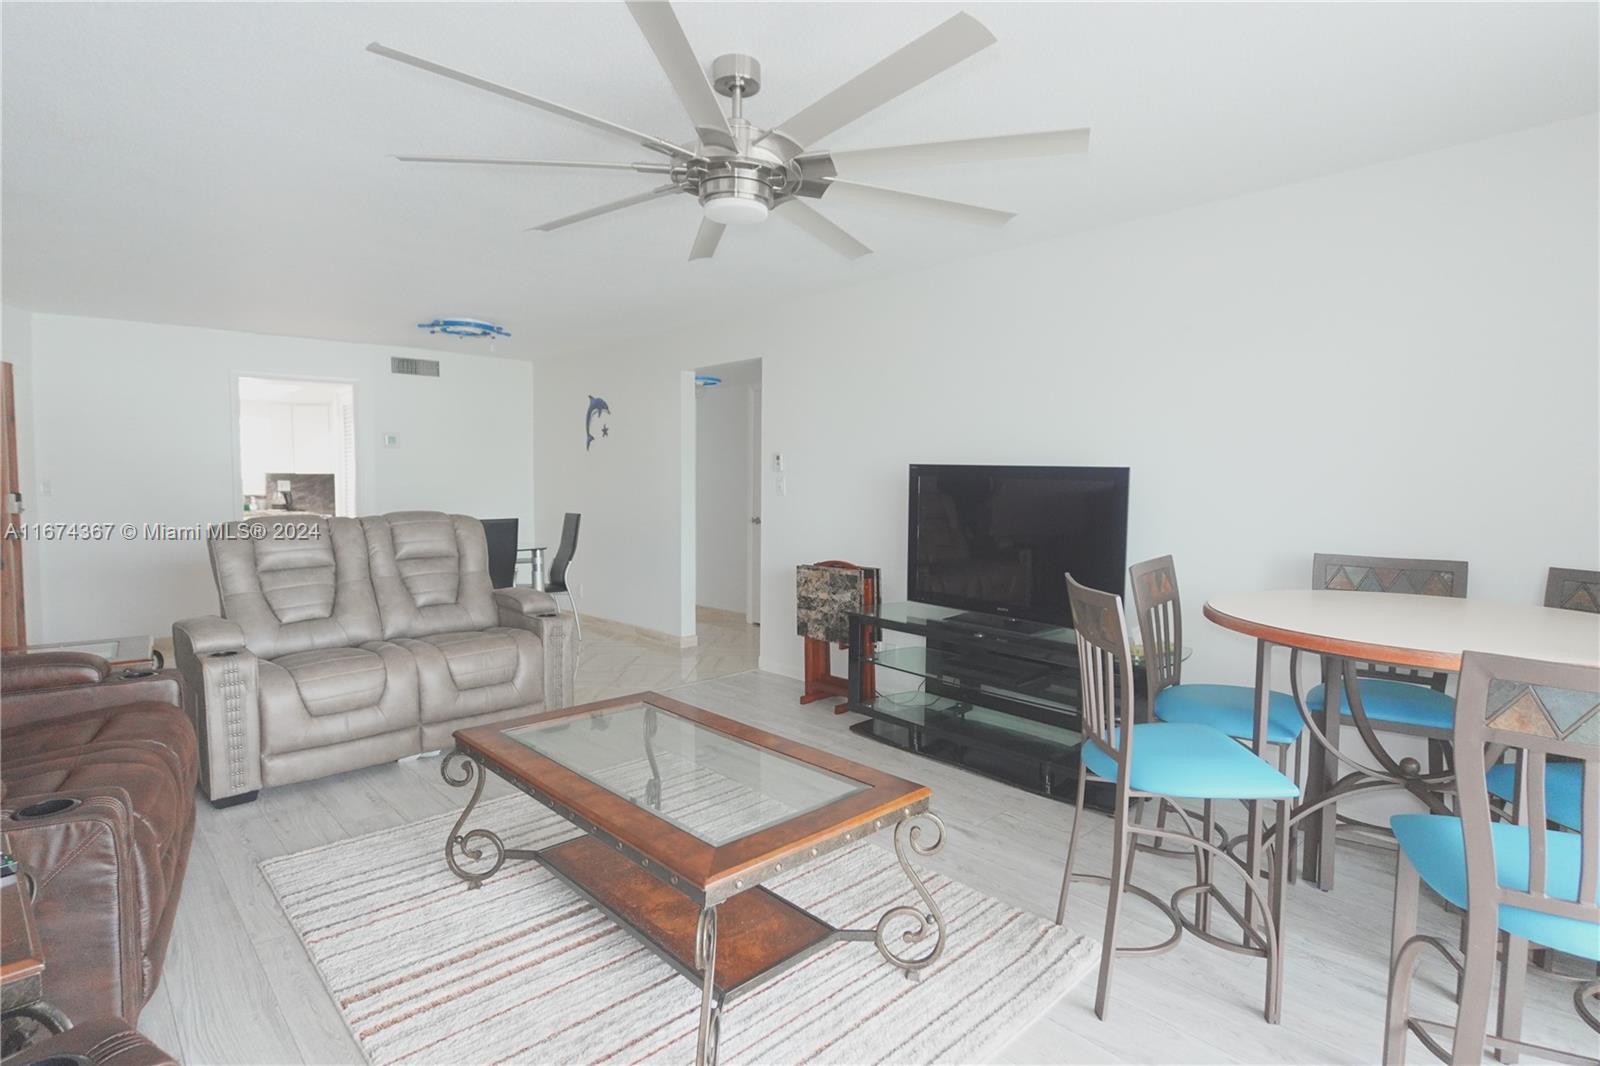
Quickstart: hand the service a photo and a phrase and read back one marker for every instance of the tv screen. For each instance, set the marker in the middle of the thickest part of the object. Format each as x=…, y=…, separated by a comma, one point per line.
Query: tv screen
x=1001, y=539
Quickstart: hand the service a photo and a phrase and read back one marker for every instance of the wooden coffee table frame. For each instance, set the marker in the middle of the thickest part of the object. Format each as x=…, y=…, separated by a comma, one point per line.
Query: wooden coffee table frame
x=666, y=885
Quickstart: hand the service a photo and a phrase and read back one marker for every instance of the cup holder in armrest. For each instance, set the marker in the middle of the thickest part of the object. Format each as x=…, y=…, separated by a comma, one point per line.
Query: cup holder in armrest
x=221, y=654
x=132, y=675
x=61, y=1060
x=44, y=809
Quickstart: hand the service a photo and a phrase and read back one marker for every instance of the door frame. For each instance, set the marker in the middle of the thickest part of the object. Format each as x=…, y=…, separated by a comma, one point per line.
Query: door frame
x=13, y=591
x=752, y=590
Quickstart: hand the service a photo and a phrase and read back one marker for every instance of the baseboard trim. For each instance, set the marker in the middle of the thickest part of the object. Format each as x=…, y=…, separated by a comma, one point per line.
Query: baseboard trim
x=672, y=639
x=719, y=614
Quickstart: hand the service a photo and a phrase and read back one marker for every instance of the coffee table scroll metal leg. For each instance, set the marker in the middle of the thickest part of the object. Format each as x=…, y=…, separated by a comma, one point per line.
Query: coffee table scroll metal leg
x=929, y=921
x=460, y=769
x=705, y=958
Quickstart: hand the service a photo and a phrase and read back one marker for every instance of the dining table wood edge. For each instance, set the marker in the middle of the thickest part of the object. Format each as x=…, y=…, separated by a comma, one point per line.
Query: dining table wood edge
x=1346, y=649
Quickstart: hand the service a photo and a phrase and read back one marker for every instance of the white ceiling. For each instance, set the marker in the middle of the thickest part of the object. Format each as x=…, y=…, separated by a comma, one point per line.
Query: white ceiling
x=228, y=164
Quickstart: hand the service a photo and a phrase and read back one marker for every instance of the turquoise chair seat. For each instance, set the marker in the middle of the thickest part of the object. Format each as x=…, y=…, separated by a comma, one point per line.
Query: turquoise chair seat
x=1232, y=709
x=1436, y=847
x=1189, y=761
x=1398, y=702
x=1563, y=790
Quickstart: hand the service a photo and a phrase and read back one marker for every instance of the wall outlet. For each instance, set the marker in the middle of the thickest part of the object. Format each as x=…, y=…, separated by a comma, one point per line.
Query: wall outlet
x=783, y=484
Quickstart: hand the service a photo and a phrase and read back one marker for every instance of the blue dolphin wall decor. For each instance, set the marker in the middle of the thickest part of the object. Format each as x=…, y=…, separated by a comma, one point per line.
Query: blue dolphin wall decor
x=597, y=407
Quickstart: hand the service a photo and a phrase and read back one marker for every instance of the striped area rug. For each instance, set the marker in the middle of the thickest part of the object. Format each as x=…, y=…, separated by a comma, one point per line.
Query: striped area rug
x=522, y=970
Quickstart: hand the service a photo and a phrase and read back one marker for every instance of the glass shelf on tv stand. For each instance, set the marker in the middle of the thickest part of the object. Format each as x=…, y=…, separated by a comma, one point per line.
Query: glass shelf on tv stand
x=992, y=683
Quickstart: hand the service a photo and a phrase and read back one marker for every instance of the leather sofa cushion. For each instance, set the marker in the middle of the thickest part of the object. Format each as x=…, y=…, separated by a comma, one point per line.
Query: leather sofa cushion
x=478, y=672
x=297, y=577
x=148, y=726
x=430, y=572
x=427, y=559
x=336, y=680
x=51, y=669
x=289, y=591
x=477, y=659
x=316, y=698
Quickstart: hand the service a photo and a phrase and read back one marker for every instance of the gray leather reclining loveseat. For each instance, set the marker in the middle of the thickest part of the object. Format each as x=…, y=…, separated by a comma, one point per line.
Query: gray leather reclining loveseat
x=349, y=642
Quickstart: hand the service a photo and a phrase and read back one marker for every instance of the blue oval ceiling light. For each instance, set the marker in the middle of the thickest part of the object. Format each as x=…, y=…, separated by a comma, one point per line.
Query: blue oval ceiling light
x=706, y=381
x=464, y=327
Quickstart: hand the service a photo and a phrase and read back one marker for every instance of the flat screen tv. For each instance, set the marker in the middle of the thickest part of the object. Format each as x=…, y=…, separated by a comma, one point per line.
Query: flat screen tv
x=1000, y=539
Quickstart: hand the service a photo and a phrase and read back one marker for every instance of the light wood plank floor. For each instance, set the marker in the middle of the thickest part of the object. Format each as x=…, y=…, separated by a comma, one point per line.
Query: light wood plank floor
x=239, y=988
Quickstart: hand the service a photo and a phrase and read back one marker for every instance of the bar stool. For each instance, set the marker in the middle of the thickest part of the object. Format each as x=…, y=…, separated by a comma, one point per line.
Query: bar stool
x=1519, y=880
x=1229, y=708
x=1167, y=762
x=1403, y=700
x=1571, y=590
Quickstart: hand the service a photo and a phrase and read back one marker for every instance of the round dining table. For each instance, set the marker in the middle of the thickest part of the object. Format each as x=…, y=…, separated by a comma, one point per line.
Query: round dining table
x=1422, y=633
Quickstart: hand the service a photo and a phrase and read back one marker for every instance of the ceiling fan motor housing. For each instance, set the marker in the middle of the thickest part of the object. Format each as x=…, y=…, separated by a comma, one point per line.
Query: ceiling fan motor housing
x=736, y=72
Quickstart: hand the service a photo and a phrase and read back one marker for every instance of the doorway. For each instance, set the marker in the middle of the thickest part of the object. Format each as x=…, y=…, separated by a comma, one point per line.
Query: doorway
x=728, y=490
x=297, y=446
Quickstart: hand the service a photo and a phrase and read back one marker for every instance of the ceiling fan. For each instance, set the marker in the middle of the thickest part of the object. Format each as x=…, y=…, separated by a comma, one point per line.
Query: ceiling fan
x=741, y=172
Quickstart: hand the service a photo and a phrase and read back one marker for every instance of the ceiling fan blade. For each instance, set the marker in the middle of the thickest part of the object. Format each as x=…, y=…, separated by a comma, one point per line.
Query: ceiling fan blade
x=642, y=168
x=975, y=150
x=940, y=48
x=706, y=239
x=822, y=228
x=605, y=209
x=842, y=191
x=662, y=31
x=655, y=144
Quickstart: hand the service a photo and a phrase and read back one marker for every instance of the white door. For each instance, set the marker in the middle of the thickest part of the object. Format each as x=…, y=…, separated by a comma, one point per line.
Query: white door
x=752, y=613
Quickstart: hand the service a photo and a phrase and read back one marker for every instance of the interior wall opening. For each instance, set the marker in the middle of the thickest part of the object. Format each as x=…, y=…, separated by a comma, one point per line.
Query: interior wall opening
x=728, y=490
x=297, y=446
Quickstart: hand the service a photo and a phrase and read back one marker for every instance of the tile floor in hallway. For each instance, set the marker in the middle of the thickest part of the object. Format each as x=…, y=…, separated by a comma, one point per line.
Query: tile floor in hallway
x=617, y=659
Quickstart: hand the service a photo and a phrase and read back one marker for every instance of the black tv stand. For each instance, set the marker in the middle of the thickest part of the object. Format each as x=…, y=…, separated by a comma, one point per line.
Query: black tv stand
x=1009, y=623
x=997, y=695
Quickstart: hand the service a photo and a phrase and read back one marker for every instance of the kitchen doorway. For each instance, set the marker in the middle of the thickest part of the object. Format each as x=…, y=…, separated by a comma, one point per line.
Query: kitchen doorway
x=296, y=446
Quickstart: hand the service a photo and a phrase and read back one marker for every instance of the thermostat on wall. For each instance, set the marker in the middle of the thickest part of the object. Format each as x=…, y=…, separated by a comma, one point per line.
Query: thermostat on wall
x=391, y=440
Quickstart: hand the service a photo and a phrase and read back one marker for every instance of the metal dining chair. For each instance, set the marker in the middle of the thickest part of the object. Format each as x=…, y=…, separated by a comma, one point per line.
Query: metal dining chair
x=1401, y=699
x=1519, y=879
x=1572, y=590
x=556, y=580
x=1170, y=763
x=1230, y=708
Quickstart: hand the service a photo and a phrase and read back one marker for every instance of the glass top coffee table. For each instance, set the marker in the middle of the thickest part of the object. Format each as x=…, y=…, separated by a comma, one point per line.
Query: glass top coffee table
x=684, y=814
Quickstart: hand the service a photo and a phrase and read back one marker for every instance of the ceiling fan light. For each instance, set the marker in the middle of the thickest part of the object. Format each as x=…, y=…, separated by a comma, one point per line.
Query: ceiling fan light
x=732, y=210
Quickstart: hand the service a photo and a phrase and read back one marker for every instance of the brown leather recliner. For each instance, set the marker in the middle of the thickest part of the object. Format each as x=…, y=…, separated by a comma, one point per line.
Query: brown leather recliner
x=97, y=787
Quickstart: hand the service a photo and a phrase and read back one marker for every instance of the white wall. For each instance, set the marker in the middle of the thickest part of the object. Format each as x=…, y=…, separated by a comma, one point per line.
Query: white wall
x=629, y=566
x=1399, y=359
x=134, y=423
x=722, y=496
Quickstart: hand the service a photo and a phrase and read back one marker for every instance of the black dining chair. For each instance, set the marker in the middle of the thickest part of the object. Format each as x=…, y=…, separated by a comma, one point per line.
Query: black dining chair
x=556, y=580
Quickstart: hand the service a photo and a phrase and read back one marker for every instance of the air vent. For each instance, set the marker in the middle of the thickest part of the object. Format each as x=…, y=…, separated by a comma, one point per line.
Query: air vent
x=422, y=368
